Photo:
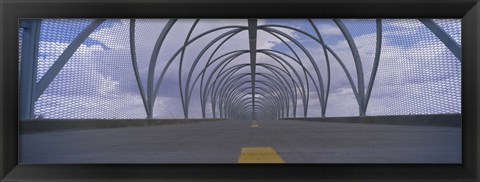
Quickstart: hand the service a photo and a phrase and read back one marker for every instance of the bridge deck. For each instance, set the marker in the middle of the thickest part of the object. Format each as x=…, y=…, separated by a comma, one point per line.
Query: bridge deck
x=222, y=142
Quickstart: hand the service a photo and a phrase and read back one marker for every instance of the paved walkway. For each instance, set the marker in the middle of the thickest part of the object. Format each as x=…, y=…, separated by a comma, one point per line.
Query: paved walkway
x=228, y=141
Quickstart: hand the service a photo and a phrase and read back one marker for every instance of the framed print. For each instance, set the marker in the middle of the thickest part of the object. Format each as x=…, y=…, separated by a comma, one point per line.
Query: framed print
x=239, y=90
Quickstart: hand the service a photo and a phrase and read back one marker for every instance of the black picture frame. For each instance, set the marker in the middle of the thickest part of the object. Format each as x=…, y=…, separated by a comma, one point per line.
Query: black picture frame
x=11, y=11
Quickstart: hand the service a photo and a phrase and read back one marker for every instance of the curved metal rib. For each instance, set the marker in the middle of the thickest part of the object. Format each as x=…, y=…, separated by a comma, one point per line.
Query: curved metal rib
x=133, y=54
x=375, y=63
x=358, y=65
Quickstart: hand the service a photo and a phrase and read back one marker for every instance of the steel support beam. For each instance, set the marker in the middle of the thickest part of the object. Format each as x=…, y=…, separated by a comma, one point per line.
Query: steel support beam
x=65, y=56
x=28, y=67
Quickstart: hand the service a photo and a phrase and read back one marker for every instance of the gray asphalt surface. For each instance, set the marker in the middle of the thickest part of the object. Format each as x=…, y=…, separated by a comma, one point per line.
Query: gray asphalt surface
x=221, y=142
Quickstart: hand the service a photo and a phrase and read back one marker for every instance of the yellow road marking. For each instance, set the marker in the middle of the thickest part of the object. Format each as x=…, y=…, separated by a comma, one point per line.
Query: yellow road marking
x=254, y=124
x=259, y=155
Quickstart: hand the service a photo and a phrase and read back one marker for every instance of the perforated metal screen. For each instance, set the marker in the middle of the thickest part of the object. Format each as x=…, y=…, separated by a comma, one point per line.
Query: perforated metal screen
x=97, y=81
x=417, y=73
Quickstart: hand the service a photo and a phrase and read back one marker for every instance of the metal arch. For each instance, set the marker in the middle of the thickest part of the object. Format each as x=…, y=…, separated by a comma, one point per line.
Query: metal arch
x=301, y=64
x=153, y=62
x=280, y=94
x=304, y=69
x=302, y=92
x=327, y=47
x=322, y=95
x=214, y=82
x=260, y=113
x=236, y=86
x=227, y=115
x=242, y=100
x=214, y=92
x=133, y=54
x=271, y=113
x=277, y=71
x=261, y=106
x=204, y=95
x=279, y=84
x=178, y=52
x=185, y=112
x=243, y=75
x=183, y=47
x=187, y=85
x=276, y=102
x=213, y=88
x=236, y=78
x=280, y=63
x=286, y=80
x=375, y=62
x=202, y=101
x=327, y=92
x=275, y=97
x=279, y=101
x=358, y=65
x=280, y=78
x=230, y=83
x=264, y=90
x=235, y=113
x=225, y=62
x=332, y=52
x=287, y=102
x=279, y=91
x=449, y=42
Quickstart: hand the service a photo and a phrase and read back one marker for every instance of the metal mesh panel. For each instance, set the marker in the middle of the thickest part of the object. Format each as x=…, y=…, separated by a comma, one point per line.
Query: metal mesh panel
x=97, y=81
x=417, y=73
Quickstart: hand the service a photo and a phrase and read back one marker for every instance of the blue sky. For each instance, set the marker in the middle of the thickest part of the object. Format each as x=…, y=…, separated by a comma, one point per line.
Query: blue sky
x=417, y=74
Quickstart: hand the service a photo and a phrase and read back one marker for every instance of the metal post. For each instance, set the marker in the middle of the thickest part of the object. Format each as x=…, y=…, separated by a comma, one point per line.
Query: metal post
x=252, y=34
x=28, y=67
